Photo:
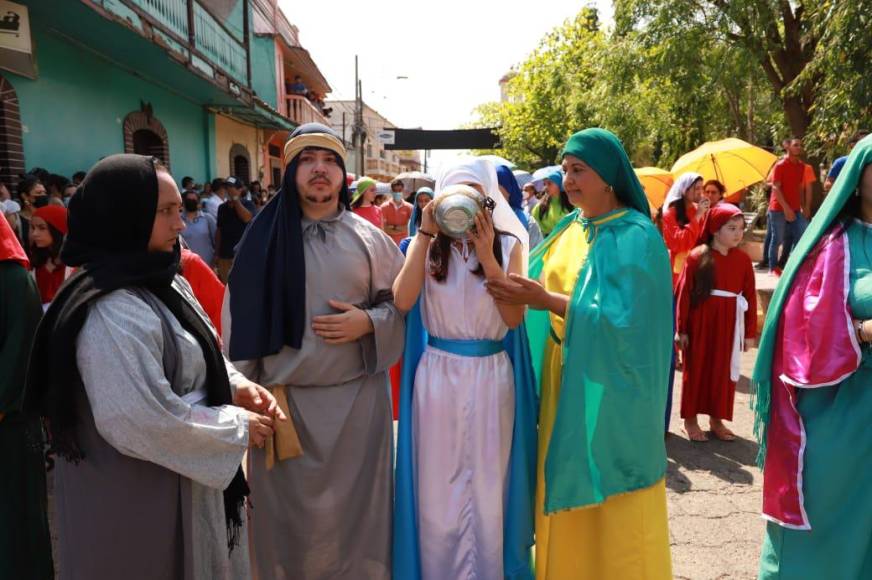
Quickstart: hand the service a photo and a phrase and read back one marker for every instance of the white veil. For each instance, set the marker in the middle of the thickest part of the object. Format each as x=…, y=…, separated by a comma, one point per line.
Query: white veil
x=466, y=170
x=678, y=189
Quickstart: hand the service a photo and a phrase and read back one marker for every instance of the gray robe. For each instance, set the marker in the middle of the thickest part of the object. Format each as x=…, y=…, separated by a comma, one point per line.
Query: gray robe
x=327, y=514
x=146, y=502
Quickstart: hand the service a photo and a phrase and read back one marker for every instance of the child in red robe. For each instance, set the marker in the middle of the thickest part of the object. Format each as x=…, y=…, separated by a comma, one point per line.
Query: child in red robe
x=716, y=318
x=48, y=227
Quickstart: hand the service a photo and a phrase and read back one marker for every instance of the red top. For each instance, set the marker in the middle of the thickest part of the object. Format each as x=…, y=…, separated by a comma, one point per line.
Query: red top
x=680, y=239
x=397, y=216
x=49, y=282
x=10, y=247
x=206, y=286
x=710, y=327
x=371, y=213
x=791, y=175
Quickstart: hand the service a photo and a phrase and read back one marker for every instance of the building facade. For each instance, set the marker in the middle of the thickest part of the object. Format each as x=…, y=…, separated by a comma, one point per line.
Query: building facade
x=188, y=81
x=279, y=60
x=379, y=163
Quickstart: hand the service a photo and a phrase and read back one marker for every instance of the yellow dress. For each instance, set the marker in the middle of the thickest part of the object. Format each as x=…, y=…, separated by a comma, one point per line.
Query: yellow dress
x=625, y=537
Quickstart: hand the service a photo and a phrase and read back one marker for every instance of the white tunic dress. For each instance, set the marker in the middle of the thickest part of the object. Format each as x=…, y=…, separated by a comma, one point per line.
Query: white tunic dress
x=463, y=409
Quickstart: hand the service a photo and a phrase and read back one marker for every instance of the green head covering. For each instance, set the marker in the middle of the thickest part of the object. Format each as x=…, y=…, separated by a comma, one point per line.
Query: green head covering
x=363, y=184
x=828, y=214
x=603, y=151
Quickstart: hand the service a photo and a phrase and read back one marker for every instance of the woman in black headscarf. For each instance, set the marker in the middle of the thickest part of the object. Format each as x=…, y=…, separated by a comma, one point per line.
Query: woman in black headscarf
x=137, y=398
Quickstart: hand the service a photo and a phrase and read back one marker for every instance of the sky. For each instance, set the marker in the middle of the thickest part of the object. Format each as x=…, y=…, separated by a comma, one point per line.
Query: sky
x=452, y=53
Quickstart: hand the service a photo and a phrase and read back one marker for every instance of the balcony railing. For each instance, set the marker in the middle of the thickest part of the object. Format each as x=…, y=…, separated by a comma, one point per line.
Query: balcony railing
x=211, y=38
x=171, y=13
x=300, y=110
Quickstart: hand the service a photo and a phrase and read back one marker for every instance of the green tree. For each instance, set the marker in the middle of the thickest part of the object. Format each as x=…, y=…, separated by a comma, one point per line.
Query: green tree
x=544, y=107
x=814, y=55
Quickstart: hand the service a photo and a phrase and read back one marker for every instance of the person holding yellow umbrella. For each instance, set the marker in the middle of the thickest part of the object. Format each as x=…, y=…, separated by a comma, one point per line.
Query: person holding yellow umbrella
x=735, y=163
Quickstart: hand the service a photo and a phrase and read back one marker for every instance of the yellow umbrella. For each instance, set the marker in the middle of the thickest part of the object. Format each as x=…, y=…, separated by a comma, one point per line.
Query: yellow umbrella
x=733, y=162
x=656, y=182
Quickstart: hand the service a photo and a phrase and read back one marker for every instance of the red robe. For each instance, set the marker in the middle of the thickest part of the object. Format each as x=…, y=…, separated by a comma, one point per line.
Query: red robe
x=680, y=240
x=710, y=327
x=206, y=286
x=49, y=282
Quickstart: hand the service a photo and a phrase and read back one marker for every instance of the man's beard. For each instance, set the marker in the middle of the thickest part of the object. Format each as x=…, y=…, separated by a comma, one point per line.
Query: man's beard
x=321, y=198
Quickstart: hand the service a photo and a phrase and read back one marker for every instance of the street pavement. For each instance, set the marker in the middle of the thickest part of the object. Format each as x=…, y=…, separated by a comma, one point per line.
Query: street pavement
x=714, y=494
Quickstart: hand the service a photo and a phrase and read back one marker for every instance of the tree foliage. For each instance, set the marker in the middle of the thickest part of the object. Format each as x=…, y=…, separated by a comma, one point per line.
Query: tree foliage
x=671, y=74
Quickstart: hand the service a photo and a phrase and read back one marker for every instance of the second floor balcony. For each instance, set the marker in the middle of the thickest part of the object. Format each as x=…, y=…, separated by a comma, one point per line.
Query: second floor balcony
x=221, y=41
x=300, y=110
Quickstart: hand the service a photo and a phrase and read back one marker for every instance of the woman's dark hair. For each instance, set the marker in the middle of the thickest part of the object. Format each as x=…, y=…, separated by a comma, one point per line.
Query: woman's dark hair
x=41, y=256
x=854, y=203
x=42, y=174
x=717, y=184
x=58, y=182
x=704, y=277
x=439, y=254
x=26, y=185
x=680, y=214
x=680, y=206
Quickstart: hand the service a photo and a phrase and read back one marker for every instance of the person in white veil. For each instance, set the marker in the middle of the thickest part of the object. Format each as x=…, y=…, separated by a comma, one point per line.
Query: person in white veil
x=463, y=397
x=681, y=219
x=481, y=174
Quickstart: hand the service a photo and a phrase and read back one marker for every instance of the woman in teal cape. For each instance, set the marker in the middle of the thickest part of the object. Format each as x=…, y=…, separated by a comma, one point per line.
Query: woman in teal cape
x=601, y=295
x=813, y=392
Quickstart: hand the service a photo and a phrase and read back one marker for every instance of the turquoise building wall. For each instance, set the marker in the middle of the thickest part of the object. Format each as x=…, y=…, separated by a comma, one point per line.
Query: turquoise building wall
x=72, y=115
x=263, y=68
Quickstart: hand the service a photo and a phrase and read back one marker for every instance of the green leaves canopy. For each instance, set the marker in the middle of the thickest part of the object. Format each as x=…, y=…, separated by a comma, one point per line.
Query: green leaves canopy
x=671, y=74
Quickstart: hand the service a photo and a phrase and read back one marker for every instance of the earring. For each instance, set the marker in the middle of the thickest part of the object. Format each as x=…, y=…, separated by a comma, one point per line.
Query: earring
x=857, y=192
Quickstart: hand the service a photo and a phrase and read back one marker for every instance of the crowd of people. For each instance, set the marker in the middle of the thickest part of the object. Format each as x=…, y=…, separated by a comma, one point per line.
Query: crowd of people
x=156, y=338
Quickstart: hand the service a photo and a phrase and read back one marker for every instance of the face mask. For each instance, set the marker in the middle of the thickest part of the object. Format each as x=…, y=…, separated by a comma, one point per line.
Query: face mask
x=40, y=201
x=397, y=195
x=192, y=204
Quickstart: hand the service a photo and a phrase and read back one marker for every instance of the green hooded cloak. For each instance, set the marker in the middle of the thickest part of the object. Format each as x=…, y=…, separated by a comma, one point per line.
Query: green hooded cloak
x=608, y=433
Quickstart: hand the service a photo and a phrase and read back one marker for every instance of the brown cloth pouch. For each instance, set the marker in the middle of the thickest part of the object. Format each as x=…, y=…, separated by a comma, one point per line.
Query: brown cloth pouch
x=285, y=443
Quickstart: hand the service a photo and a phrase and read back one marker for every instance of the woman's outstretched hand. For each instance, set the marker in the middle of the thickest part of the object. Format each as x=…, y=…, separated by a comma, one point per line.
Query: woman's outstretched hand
x=519, y=290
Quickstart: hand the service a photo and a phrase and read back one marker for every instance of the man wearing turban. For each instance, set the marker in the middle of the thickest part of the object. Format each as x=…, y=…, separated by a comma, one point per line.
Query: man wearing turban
x=309, y=311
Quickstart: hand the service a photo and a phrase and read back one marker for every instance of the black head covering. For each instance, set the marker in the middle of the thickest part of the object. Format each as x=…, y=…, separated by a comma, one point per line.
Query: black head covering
x=110, y=222
x=268, y=281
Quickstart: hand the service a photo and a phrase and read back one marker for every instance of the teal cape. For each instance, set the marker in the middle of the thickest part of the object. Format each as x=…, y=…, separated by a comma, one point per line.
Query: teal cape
x=607, y=437
x=520, y=501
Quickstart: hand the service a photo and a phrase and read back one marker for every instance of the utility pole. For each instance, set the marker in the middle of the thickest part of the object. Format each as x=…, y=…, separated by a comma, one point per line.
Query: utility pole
x=358, y=129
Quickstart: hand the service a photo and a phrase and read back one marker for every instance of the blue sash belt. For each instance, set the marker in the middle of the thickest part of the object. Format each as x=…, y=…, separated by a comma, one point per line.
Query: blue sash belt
x=472, y=348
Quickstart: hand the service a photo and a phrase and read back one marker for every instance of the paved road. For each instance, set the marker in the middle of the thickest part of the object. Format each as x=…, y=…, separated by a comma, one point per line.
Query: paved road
x=714, y=495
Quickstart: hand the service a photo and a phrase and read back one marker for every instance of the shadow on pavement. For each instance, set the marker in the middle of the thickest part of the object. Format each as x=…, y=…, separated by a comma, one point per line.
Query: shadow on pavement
x=724, y=460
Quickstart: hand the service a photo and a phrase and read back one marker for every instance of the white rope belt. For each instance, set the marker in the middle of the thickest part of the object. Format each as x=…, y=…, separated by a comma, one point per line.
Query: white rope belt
x=739, y=337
